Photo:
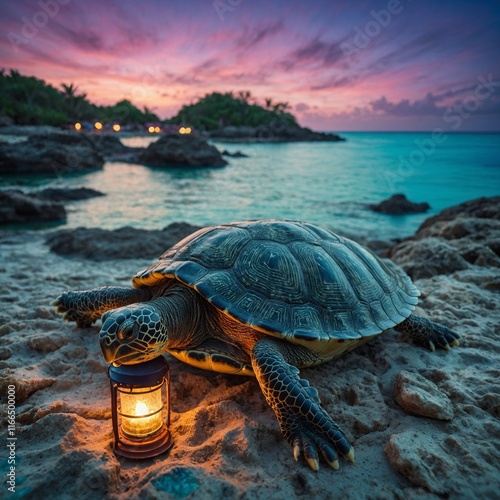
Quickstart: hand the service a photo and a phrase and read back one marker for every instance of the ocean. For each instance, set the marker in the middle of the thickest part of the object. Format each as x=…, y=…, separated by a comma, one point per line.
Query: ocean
x=327, y=183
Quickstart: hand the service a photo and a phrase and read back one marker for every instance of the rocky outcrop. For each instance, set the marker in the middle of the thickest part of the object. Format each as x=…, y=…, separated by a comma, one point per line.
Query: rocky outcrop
x=173, y=150
x=66, y=194
x=236, y=154
x=52, y=153
x=273, y=132
x=398, y=204
x=123, y=243
x=17, y=207
x=20, y=207
x=454, y=240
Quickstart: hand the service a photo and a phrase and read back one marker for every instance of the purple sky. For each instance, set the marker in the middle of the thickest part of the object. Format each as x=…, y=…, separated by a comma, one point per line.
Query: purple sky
x=341, y=65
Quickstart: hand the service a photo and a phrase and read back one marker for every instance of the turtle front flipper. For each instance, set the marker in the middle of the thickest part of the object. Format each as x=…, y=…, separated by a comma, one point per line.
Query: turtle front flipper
x=426, y=333
x=86, y=307
x=304, y=423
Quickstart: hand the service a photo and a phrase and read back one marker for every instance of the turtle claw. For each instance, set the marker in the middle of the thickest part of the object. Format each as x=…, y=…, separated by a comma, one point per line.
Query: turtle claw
x=296, y=452
x=350, y=455
x=313, y=463
x=432, y=347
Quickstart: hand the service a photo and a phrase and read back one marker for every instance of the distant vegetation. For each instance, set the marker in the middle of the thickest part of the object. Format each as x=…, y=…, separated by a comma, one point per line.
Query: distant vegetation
x=217, y=110
x=31, y=101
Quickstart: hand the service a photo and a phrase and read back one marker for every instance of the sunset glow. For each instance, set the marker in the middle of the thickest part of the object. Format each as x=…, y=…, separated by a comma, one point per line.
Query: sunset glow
x=367, y=65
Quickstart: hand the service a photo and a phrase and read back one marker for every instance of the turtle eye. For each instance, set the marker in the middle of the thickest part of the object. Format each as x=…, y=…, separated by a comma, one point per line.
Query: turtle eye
x=127, y=332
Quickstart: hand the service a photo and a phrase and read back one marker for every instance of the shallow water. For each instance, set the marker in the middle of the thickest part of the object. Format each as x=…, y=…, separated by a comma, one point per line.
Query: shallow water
x=325, y=183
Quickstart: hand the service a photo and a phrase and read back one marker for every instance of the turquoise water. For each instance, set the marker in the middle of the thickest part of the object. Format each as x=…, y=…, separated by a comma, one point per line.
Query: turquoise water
x=325, y=183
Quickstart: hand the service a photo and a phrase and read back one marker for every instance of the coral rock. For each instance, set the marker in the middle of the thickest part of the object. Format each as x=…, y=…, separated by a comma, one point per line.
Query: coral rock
x=419, y=396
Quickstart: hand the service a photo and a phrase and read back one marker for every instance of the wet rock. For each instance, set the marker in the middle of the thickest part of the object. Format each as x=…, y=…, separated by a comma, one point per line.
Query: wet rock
x=67, y=194
x=50, y=153
x=122, y=243
x=182, y=150
x=236, y=154
x=419, y=396
x=398, y=204
x=17, y=207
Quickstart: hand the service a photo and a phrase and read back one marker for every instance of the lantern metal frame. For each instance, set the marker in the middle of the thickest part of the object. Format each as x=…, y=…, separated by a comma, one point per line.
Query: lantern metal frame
x=153, y=374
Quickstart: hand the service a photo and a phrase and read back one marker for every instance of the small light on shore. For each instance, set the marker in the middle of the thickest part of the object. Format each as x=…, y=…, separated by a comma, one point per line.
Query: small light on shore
x=98, y=125
x=185, y=130
x=78, y=126
x=116, y=127
x=140, y=419
x=151, y=129
x=157, y=130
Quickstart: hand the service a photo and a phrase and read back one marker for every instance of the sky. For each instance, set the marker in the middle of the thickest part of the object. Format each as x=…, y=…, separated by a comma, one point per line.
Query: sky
x=342, y=65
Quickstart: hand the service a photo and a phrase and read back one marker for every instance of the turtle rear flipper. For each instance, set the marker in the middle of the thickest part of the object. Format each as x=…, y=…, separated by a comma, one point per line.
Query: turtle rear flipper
x=304, y=423
x=86, y=307
x=426, y=333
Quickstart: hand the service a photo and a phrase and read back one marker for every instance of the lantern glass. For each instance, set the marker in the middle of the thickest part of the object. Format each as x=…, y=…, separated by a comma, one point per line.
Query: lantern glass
x=140, y=404
x=141, y=411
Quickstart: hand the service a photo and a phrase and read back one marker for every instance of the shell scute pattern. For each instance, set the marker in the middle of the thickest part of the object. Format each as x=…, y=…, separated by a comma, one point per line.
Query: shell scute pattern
x=269, y=268
x=292, y=280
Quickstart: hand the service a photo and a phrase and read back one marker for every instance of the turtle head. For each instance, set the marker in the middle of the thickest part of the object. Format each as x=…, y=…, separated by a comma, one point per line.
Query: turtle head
x=132, y=334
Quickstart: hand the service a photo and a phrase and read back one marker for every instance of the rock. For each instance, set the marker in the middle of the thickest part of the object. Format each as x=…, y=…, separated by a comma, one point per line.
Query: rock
x=421, y=460
x=276, y=131
x=237, y=154
x=17, y=207
x=26, y=382
x=5, y=121
x=122, y=243
x=453, y=240
x=420, y=396
x=398, y=204
x=427, y=258
x=112, y=149
x=52, y=153
x=66, y=194
x=184, y=150
x=480, y=208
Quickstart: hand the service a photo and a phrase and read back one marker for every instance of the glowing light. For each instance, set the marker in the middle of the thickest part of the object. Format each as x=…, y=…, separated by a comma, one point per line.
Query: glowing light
x=116, y=127
x=185, y=130
x=98, y=125
x=151, y=129
x=157, y=129
x=141, y=409
x=78, y=126
x=142, y=413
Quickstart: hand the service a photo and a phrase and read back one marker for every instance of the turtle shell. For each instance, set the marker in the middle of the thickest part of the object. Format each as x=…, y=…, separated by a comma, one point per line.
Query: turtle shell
x=292, y=280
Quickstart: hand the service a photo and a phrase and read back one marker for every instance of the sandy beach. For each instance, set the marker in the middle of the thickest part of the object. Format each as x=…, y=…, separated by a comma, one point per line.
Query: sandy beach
x=227, y=442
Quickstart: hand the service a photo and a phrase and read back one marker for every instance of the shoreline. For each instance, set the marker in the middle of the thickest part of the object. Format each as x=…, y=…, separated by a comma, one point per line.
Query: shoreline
x=226, y=439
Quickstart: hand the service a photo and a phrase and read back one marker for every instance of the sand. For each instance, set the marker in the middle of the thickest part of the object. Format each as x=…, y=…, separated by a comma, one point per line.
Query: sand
x=227, y=440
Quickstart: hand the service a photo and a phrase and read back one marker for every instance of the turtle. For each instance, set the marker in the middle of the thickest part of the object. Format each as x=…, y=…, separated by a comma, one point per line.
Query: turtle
x=262, y=298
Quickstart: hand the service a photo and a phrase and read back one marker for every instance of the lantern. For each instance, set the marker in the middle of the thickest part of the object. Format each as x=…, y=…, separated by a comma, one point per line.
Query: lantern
x=141, y=420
